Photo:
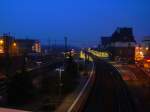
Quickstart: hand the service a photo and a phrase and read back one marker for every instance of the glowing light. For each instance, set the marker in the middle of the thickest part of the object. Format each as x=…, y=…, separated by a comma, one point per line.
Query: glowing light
x=146, y=48
x=1, y=42
x=146, y=65
x=14, y=44
x=99, y=54
x=82, y=56
x=36, y=47
x=148, y=60
x=1, y=46
x=137, y=47
x=1, y=49
x=141, y=53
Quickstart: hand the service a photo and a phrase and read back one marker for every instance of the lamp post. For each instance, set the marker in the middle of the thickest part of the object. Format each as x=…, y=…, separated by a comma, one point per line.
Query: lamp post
x=60, y=75
x=14, y=48
x=60, y=70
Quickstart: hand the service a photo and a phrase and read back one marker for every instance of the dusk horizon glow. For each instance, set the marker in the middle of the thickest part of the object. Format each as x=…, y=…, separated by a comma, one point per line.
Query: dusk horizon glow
x=83, y=22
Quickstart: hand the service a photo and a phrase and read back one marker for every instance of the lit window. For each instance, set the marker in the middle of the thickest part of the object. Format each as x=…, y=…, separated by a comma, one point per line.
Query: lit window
x=1, y=49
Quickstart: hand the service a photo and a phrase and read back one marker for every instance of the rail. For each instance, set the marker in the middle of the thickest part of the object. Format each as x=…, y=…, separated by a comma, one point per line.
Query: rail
x=81, y=99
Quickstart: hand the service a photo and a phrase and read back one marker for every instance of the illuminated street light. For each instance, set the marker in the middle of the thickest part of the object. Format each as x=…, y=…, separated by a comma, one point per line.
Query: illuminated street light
x=146, y=48
x=141, y=53
x=1, y=42
x=14, y=44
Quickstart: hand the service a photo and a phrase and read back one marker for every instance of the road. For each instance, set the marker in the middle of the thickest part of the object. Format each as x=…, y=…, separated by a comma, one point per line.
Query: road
x=110, y=93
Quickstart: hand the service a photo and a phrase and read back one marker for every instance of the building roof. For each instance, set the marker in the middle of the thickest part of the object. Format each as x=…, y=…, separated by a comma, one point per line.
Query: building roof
x=27, y=40
x=123, y=35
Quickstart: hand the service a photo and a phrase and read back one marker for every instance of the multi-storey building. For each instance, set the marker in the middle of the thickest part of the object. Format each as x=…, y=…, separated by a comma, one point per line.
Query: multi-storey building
x=121, y=44
x=28, y=46
x=146, y=46
x=12, y=46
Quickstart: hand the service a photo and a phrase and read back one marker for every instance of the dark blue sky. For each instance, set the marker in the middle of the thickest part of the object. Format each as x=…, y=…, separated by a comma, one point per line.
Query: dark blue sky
x=83, y=21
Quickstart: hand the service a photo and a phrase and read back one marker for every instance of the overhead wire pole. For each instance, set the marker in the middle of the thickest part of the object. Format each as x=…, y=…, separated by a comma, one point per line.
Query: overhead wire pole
x=66, y=44
x=49, y=45
x=55, y=45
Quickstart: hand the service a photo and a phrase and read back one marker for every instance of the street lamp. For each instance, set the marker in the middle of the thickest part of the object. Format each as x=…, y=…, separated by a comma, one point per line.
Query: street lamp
x=60, y=79
x=60, y=70
x=14, y=44
x=147, y=48
x=1, y=42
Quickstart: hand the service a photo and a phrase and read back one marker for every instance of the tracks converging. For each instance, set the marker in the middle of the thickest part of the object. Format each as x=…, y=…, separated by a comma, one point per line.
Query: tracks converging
x=110, y=93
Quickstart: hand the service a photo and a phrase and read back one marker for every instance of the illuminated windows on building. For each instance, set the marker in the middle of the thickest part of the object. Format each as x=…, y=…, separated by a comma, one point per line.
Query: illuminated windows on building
x=1, y=46
x=36, y=47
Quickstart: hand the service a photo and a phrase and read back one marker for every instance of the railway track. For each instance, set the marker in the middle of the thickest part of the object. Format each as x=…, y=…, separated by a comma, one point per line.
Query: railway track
x=110, y=93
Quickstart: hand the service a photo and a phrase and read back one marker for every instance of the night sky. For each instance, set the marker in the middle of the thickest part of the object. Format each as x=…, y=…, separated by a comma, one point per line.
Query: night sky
x=83, y=21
